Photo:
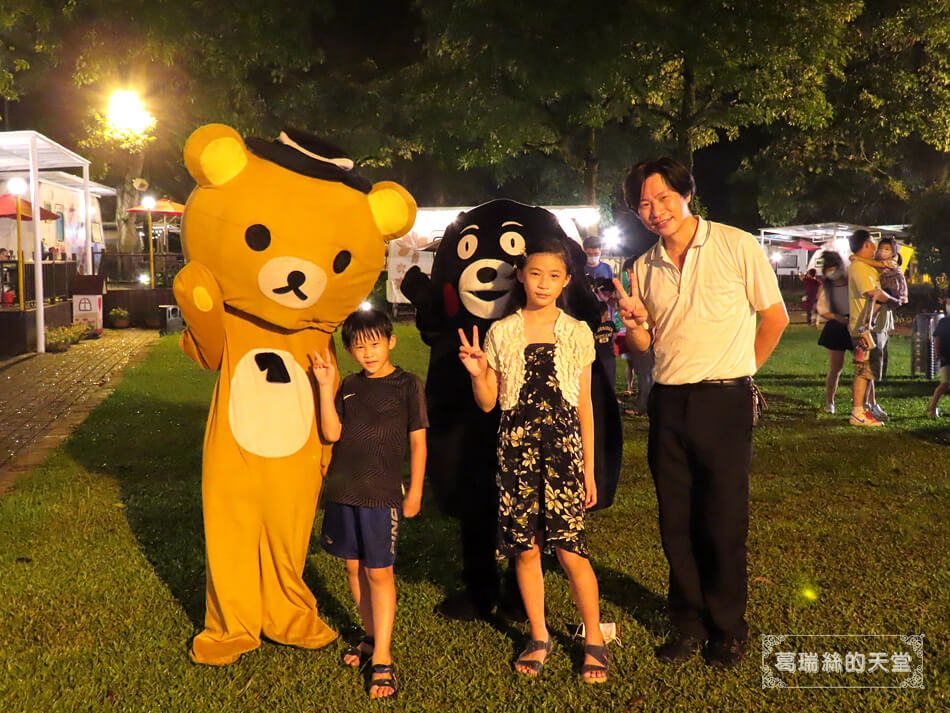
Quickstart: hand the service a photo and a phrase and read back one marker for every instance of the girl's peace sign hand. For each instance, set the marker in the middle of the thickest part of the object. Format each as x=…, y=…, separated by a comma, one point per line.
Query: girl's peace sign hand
x=323, y=370
x=473, y=358
x=632, y=310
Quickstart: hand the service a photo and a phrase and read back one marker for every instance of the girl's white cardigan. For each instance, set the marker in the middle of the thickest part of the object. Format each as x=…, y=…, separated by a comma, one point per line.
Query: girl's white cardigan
x=504, y=348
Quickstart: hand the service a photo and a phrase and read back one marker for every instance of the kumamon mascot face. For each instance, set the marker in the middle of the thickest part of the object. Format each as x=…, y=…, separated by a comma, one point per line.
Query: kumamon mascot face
x=474, y=267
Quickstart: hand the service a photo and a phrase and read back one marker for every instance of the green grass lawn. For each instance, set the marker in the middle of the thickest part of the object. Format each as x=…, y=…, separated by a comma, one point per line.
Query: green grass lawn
x=102, y=571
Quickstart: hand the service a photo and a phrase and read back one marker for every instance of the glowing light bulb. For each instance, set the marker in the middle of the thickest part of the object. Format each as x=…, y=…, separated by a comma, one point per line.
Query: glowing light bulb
x=17, y=186
x=127, y=114
x=366, y=306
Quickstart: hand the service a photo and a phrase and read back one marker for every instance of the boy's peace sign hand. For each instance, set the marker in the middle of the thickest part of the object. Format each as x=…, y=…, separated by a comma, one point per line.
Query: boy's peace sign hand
x=473, y=358
x=632, y=310
x=323, y=370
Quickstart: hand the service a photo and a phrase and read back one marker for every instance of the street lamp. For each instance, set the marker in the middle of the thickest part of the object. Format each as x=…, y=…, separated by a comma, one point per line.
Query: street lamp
x=17, y=186
x=127, y=116
x=148, y=203
x=612, y=238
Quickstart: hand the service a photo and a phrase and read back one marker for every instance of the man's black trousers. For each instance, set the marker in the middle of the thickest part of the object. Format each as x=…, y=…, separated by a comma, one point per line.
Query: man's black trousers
x=699, y=453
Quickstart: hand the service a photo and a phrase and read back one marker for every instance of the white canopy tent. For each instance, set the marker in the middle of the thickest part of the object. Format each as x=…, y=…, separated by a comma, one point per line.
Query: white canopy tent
x=32, y=152
x=820, y=233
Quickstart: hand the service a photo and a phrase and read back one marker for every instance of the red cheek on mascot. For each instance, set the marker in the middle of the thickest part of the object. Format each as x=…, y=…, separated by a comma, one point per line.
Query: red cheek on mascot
x=451, y=300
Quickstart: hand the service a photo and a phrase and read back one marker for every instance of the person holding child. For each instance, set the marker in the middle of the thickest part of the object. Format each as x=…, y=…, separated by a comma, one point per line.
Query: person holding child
x=536, y=364
x=370, y=418
x=868, y=315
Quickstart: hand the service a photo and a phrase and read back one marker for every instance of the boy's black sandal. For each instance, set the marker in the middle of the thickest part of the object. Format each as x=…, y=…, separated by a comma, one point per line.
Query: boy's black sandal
x=356, y=651
x=388, y=682
x=535, y=666
x=598, y=653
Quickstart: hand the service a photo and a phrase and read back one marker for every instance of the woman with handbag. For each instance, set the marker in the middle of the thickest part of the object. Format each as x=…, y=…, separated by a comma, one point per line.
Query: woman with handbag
x=832, y=306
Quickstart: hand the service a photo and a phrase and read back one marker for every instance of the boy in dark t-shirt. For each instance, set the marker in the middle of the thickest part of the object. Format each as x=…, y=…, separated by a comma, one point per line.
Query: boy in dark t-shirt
x=370, y=418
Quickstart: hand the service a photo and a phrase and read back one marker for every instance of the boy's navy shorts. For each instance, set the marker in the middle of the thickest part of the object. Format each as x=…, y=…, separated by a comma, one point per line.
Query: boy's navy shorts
x=360, y=533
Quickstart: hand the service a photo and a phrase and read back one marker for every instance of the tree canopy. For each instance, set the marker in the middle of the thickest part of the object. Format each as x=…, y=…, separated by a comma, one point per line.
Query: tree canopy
x=835, y=109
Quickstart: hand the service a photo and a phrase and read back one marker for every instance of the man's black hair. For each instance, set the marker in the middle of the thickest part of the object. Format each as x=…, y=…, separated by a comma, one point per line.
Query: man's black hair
x=366, y=323
x=593, y=243
x=676, y=175
x=858, y=238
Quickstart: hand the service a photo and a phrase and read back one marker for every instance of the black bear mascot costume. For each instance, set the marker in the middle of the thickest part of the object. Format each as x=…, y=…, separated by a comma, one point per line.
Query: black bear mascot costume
x=472, y=274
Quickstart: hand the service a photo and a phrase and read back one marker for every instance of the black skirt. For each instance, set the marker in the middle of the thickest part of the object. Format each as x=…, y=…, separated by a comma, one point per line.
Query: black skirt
x=835, y=336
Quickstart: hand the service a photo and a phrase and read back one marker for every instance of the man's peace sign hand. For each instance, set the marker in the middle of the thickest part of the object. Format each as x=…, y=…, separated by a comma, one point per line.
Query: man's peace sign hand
x=473, y=358
x=632, y=310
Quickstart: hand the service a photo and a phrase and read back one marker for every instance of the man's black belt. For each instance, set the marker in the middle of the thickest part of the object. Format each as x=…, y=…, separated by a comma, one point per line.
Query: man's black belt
x=740, y=381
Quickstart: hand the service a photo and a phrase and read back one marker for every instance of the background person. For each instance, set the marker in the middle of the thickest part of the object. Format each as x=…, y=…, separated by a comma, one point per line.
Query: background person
x=942, y=348
x=594, y=267
x=832, y=306
x=864, y=318
x=812, y=285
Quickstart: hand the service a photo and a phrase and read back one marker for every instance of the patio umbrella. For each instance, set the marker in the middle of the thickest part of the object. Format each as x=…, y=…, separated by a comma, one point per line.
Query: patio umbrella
x=800, y=245
x=163, y=206
x=8, y=209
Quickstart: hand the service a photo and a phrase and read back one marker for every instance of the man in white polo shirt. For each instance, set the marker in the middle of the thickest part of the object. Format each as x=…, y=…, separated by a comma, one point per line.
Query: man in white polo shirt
x=695, y=297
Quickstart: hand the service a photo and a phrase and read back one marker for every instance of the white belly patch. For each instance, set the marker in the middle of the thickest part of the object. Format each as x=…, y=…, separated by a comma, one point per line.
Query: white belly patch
x=271, y=404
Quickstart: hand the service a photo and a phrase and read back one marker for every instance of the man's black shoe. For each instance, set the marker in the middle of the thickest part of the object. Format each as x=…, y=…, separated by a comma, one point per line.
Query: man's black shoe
x=725, y=653
x=678, y=648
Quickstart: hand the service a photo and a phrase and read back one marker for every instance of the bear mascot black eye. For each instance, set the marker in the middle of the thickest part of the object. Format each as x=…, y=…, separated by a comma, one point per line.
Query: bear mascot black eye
x=473, y=273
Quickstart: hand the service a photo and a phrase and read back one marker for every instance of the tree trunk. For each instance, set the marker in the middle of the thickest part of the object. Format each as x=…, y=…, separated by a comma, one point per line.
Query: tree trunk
x=591, y=166
x=127, y=197
x=687, y=106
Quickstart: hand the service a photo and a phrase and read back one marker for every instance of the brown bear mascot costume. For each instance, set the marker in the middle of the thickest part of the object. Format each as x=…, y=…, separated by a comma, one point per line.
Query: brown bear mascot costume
x=283, y=241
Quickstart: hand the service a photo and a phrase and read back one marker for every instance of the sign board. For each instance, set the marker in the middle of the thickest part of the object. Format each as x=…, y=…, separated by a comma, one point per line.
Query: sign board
x=400, y=259
x=88, y=308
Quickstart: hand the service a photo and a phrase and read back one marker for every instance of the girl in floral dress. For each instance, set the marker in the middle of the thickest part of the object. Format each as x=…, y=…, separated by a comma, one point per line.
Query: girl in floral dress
x=536, y=364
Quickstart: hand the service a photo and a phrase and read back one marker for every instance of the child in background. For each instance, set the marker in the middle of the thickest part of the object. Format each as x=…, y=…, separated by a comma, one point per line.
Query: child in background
x=370, y=418
x=887, y=261
x=942, y=346
x=810, y=298
x=537, y=364
x=604, y=335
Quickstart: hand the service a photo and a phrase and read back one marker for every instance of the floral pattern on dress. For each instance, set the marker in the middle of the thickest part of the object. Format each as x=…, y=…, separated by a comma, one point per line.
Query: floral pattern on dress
x=540, y=464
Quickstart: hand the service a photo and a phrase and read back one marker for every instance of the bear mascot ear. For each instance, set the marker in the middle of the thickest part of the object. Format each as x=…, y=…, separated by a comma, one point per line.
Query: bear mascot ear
x=214, y=154
x=394, y=210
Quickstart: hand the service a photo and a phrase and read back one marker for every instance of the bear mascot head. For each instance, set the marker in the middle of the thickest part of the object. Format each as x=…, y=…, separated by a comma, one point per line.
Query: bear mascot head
x=283, y=241
x=291, y=234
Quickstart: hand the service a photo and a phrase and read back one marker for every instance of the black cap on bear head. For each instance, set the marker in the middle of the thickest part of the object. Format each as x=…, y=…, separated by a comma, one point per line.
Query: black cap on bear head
x=309, y=155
